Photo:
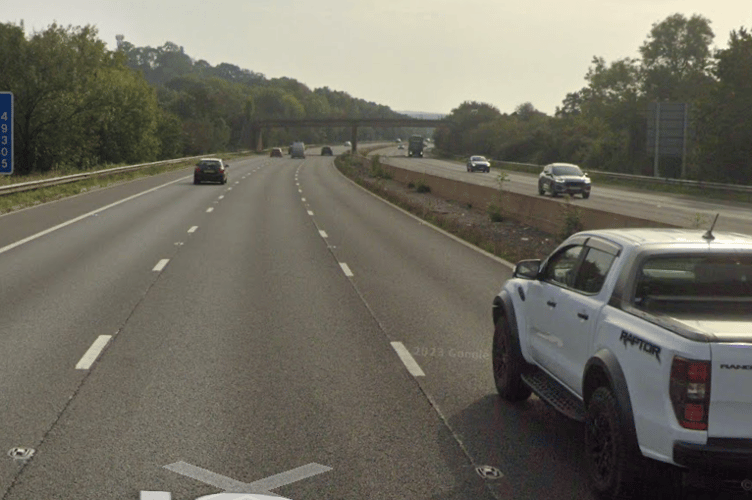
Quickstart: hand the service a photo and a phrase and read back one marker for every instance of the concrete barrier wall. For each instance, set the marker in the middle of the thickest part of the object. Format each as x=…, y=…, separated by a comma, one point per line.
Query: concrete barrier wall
x=542, y=213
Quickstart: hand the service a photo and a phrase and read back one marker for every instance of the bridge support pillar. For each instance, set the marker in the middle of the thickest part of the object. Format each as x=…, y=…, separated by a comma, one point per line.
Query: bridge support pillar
x=259, y=140
x=354, y=138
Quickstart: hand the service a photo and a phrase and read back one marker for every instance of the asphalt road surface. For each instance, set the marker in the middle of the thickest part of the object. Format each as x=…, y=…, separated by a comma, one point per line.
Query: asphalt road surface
x=284, y=334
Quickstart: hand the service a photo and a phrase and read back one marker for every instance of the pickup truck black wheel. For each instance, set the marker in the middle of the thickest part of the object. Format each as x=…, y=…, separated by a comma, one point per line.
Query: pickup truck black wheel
x=585, y=196
x=508, y=364
x=610, y=459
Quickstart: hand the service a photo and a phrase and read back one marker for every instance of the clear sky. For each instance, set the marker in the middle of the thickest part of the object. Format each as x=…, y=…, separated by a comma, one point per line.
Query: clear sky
x=416, y=55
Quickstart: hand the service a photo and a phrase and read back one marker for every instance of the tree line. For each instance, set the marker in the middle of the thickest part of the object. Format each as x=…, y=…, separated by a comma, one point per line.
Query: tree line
x=604, y=125
x=78, y=105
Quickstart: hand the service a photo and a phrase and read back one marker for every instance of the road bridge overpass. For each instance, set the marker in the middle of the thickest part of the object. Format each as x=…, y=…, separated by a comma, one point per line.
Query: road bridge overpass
x=353, y=123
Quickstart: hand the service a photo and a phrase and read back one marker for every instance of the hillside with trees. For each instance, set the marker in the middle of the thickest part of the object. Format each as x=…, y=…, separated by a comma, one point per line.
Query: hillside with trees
x=603, y=126
x=78, y=105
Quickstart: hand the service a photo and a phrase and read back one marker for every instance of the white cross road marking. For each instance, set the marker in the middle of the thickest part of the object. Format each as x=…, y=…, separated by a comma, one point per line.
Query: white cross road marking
x=408, y=360
x=192, y=229
x=155, y=495
x=93, y=353
x=323, y=234
x=310, y=213
x=262, y=486
x=161, y=265
x=210, y=209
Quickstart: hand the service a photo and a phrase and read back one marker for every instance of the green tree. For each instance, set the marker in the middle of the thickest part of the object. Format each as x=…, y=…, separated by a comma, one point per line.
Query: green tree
x=724, y=127
x=676, y=57
x=58, y=97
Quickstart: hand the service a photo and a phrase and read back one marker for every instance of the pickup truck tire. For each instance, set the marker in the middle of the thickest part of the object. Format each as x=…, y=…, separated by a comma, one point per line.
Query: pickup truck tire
x=508, y=364
x=612, y=464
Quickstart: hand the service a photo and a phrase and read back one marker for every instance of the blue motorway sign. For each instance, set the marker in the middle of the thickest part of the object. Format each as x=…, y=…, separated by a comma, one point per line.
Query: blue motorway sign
x=6, y=133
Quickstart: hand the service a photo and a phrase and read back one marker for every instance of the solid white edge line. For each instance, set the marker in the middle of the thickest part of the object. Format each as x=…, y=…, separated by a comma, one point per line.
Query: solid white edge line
x=346, y=270
x=408, y=360
x=193, y=229
x=81, y=217
x=323, y=234
x=161, y=265
x=210, y=209
x=93, y=353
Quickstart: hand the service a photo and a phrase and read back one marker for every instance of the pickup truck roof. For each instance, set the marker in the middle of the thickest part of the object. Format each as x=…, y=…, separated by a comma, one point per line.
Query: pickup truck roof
x=669, y=237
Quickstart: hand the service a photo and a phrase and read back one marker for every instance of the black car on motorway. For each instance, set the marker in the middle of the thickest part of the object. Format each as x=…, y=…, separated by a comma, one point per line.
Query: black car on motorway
x=210, y=169
x=563, y=178
x=478, y=164
x=326, y=151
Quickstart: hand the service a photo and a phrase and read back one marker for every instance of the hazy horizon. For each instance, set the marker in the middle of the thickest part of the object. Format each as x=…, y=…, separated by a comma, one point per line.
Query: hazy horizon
x=407, y=54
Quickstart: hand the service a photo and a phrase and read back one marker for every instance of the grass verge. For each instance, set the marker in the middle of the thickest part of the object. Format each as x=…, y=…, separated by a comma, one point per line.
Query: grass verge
x=358, y=169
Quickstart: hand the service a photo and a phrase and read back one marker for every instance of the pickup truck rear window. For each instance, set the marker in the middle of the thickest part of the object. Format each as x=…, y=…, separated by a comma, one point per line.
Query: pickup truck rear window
x=694, y=282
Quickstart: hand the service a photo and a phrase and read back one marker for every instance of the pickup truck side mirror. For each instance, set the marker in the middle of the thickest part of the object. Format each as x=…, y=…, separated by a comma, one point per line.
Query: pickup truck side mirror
x=527, y=269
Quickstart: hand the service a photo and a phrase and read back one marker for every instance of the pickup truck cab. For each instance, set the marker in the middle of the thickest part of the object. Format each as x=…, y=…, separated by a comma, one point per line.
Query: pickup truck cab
x=646, y=336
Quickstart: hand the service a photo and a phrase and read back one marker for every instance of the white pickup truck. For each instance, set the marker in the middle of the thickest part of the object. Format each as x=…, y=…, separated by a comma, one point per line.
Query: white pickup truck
x=646, y=336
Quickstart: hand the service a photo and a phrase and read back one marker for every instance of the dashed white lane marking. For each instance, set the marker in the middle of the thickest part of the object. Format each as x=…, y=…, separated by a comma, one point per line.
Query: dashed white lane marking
x=222, y=197
x=408, y=360
x=302, y=199
x=161, y=265
x=346, y=270
x=210, y=209
x=93, y=353
x=229, y=189
x=323, y=234
x=192, y=229
x=300, y=190
x=310, y=213
x=237, y=182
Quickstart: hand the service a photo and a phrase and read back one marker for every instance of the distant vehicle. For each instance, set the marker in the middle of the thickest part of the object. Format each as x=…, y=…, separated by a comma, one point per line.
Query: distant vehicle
x=415, y=146
x=348, y=144
x=297, y=150
x=210, y=169
x=326, y=151
x=478, y=163
x=276, y=153
x=398, y=140
x=563, y=178
x=401, y=146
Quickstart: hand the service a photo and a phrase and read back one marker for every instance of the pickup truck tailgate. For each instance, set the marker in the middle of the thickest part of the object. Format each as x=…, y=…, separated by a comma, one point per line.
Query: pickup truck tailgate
x=730, y=413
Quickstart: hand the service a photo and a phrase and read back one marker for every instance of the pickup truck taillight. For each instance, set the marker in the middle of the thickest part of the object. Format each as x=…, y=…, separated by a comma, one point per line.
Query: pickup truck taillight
x=689, y=390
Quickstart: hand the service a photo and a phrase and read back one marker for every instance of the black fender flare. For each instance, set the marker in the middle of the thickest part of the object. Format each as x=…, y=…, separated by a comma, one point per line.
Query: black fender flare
x=604, y=364
x=502, y=306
